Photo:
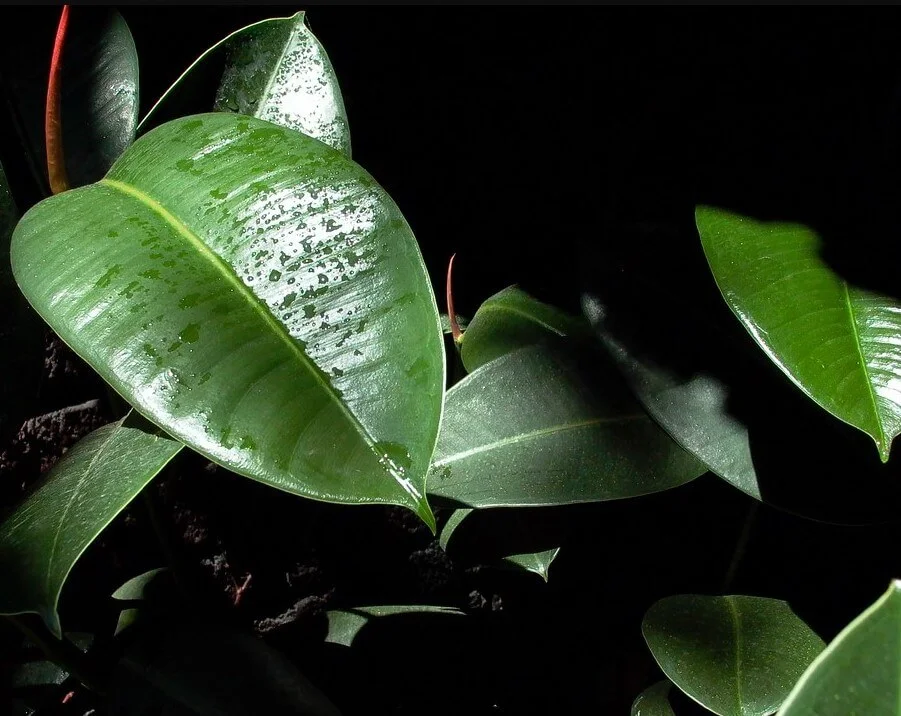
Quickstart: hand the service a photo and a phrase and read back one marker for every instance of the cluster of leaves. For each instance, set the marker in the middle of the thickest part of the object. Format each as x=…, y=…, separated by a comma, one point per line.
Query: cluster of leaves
x=255, y=296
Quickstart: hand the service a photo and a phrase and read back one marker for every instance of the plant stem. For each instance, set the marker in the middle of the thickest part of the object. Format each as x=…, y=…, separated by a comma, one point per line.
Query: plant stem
x=61, y=652
x=740, y=546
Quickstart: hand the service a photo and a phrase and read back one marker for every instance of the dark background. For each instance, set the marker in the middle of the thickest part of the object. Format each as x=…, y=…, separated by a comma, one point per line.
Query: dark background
x=565, y=150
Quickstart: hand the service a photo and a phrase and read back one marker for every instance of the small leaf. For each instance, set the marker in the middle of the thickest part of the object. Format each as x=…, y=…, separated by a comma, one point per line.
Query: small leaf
x=513, y=319
x=693, y=411
x=211, y=669
x=860, y=670
x=654, y=701
x=345, y=624
x=836, y=342
x=274, y=70
x=735, y=655
x=257, y=295
x=535, y=427
x=99, y=103
x=535, y=562
x=462, y=321
x=43, y=538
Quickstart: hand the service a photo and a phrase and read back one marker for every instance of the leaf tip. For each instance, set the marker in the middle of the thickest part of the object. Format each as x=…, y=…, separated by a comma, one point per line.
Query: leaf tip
x=424, y=510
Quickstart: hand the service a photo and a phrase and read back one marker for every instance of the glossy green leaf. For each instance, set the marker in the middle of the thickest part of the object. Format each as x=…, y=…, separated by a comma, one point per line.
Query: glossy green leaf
x=99, y=94
x=345, y=624
x=836, y=342
x=509, y=320
x=146, y=594
x=192, y=669
x=735, y=655
x=260, y=297
x=91, y=484
x=654, y=701
x=274, y=70
x=536, y=562
x=692, y=410
x=859, y=673
x=535, y=427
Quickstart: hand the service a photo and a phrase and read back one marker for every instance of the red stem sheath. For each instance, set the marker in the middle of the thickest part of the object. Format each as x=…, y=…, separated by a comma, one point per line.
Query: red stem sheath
x=452, y=316
x=53, y=126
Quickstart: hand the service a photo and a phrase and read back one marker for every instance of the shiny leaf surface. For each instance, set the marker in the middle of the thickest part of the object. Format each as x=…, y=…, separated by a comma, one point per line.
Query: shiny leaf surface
x=654, y=701
x=509, y=320
x=210, y=669
x=274, y=70
x=45, y=535
x=860, y=670
x=836, y=342
x=692, y=410
x=257, y=295
x=537, y=427
x=99, y=94
x=345, y=624
x=734, y=655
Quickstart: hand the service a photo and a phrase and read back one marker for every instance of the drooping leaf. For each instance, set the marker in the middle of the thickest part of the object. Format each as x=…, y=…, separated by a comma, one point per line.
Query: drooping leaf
x=692, y=410
x=210, y=669
x=43, y=538
x=537, y=427
x=257, y=295
x=734, y=655
x=345, y=624
x=535, y=562
x=99, y=94
x=274, y=70
x=860, y=671
x=836, y=342
x=654, y=701
x=509, y=320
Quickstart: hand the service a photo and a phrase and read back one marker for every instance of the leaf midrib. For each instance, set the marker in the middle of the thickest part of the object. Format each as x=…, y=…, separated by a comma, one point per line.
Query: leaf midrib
x=863, y=366
x=736, y=625
x=228, y=273
x=270, y=83
x=75, y=492
x=541, y=432
x=522, y=314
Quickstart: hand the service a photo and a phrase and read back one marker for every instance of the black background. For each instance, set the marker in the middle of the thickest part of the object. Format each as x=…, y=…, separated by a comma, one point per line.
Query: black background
x=565, y=149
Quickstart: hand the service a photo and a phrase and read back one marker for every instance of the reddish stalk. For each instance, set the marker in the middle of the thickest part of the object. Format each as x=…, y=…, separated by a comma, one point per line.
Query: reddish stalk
x=452, y=316
x=53, y=125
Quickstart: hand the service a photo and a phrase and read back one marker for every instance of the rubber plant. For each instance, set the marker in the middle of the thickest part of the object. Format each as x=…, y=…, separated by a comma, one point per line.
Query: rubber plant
x=252, y=294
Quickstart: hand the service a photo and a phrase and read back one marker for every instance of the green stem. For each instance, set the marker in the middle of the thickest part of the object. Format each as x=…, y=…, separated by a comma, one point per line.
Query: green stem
x=740, y=546
x=61, y=652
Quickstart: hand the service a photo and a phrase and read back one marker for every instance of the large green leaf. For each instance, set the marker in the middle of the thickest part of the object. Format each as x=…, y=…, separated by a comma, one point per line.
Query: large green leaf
x=538, y=427
x=274, y=70
x=509, y=320
x=345, y=624
x=256, y=294
x=859, y=673
x=693, y=410
x=45, y=535
x=654, y=701
x=735, y=655
x=99, y=94
x=838, y=343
